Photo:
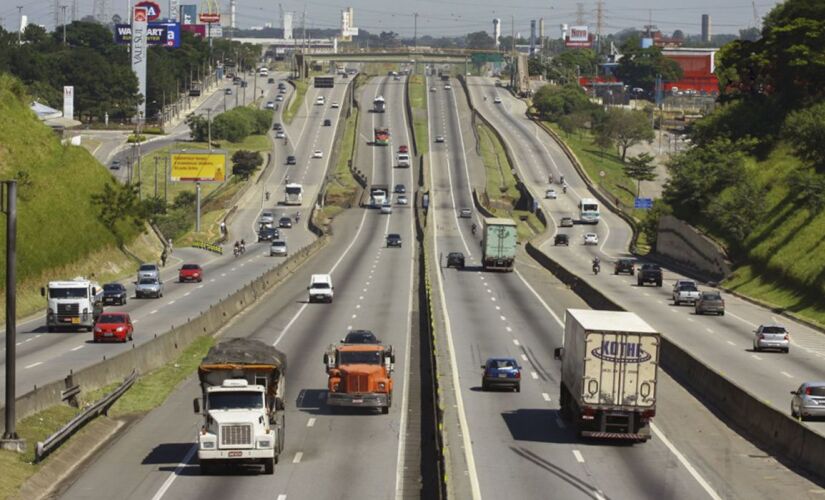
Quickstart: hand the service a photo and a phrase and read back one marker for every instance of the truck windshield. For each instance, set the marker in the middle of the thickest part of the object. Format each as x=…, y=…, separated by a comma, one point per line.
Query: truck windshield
x=359, y=357
x=67, y=293
x=235, y=400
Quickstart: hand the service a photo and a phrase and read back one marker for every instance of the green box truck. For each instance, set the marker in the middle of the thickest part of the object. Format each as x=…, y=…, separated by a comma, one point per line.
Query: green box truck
x=498, y=248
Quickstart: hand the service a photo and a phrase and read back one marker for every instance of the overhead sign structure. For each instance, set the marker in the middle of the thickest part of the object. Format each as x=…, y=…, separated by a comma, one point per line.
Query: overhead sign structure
x=324, y=82
x=152, y=9
x=140, y=23
x=198, y=166
x=579, y=37
x=165, y=34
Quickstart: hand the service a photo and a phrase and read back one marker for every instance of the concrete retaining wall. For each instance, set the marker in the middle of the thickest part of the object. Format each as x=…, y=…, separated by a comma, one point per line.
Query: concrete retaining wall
x=681, y=242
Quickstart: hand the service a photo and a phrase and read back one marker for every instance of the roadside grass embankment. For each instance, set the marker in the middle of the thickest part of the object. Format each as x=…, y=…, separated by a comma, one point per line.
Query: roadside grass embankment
x=147, y=393
x=418, y=104
x=500, y=191
x=297, y=100
x=341, y=186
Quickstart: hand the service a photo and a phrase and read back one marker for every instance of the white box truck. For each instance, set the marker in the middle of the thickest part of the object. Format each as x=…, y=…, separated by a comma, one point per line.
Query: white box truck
x=610, y=362
x=72, y=304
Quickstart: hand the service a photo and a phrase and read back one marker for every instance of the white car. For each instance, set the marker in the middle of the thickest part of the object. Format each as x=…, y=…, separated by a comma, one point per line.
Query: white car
x=439, y=138
x=319, y=101
x=318, y=154
x=386, y=208
x=591, y=239
x=267, y=218
x=432, y=89
x=279, y=98
x=402, y=200
x=333, y=105
x=497, y=100
x=550, y=194
x=270, y=105
x=448, y=87
x=280, y=134
x=278, y=247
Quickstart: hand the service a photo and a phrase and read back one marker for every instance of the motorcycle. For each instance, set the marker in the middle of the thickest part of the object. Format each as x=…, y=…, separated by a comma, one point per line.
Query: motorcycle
x=596, y=268
x=236, y=251
x=473, y=229
x=267, y=196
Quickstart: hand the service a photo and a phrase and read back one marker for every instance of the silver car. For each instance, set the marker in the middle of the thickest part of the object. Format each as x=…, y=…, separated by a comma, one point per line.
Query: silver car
x=148, y=271
x=771, y=337
x=267, y=218
x=279, y=248
x=148, y=287
x=808, y=401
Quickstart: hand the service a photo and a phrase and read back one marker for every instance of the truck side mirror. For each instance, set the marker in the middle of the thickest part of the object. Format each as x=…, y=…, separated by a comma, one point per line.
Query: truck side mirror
x=558, y=353
x=42, y=291
x=326, y=359
x=196, y=405
x=94, y=291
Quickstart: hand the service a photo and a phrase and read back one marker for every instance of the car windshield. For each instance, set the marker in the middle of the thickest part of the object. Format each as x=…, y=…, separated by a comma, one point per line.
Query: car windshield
x=687, y=288
x=148, y=281
x=148, y=267
x=235, y=400
x=773, y=329
x=711, y=296
x=279, y=243
x=67, y=293
x=359, y=357
x=111, y=318
x=190, y=266
x=501, y=364
x=112, y=287
x=320, y=286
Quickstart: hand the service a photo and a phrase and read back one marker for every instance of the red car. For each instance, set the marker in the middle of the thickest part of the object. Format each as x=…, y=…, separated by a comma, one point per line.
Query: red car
x=403, y=149
x=113, y=326
x=190, y=272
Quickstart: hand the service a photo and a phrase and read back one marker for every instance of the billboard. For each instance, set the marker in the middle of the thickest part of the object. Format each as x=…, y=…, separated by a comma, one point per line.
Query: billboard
x=198, y=166
x=139, y=54
x=68, y=101
x=579, y=37
x=188, y=14
x=166, y=34
x=152, y=9
x=199, y=30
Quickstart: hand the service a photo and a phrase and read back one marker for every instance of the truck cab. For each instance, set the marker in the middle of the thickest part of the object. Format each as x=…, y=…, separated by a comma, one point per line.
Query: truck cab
x=76, y=303
x=360, y=375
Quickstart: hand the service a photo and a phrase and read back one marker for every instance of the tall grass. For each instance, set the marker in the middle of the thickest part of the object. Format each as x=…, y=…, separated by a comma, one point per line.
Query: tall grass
x=418, y=104
x=297, y=100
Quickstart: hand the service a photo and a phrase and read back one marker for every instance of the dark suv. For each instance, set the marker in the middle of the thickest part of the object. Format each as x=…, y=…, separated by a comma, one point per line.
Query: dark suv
x=624, y=266
x=649, y=273
x=455, y=259
x=267, y=233
x=393, y=240
x=114, y=294
x=561, y=239
x=290, y=160
x=360, y=337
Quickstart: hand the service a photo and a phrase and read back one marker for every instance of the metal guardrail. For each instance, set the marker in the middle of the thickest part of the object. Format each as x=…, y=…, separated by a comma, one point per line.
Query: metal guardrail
x=101, y=406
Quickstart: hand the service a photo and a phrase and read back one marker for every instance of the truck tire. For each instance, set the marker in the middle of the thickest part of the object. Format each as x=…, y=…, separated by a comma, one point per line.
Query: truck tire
x=639, y=283
x=206, y=469
x=269, y=466
x=659, y=283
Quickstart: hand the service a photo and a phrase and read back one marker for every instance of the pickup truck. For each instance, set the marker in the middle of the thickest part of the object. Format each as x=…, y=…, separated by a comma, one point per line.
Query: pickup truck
x=649, y=273
x=686, y=292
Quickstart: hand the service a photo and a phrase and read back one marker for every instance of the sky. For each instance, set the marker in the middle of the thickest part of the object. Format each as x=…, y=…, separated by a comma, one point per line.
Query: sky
x=449, y=17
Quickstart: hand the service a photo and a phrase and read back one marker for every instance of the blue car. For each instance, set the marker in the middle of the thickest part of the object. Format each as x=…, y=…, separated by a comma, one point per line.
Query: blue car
x=501, y=372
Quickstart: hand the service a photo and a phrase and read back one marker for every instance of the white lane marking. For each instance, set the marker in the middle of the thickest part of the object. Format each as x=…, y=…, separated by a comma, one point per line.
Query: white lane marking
x=646, y=294
x=709, y=330
x=743, y=320
x=354, y=316
x=493, y=299
x=169, y=480
x=33, y=365
x=170, y=302
x=223, y=274
x=311, y=422
x=515, y=341
x=28, y=340
x=201, y=285
x=534, y=375
x=186, y=294
x=578, y=455
x=282, y=496
x=19, y=343
x=524, y=357
x=153, y=311
x=358, y=306
x=503, y=318
x=756, y=357
x=783, y=373
x=691, y=470
x=690, y=319
x=37, y=336
x=77, y=348
x=536, y=294
x=298, y=457
x=545, y=396
x=729, y=342
x=498, y=308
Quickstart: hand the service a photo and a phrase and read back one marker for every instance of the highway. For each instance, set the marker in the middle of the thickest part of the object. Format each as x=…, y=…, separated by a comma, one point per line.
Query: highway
x=44, y=357
x=516, y=446
x=724, y=343
x=344, y=455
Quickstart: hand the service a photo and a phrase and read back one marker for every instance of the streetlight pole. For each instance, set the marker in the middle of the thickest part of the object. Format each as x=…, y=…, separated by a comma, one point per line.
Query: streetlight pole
x=63, y=7
x=20, y=30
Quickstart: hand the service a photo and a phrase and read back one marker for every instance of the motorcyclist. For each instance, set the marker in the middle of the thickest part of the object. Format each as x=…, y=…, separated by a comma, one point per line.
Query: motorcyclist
x=473, y=228
x=596, y=265
x=243, y=246
x=267, y=195
x=564, y=189
x=550, y=179
x=561, y=180
x=237, y=249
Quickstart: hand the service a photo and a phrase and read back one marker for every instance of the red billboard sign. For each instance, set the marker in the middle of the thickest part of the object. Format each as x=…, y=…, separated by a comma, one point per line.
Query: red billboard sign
x=209, y=17
x=152, y=9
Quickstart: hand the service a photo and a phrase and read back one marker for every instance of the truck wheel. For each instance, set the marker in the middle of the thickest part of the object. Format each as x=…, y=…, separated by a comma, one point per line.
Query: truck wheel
x=385, y=410
x=269, y=466
x=659, y=283
x=518, y=387
x=206, y=469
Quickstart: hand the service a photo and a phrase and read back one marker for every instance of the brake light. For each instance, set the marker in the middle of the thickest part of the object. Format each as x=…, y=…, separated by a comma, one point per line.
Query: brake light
x=648, y=413
x=787, y=337
x=518, y=374
x=808, y=391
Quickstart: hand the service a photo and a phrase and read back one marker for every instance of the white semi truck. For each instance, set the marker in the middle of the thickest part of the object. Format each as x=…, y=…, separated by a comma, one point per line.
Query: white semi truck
x=72, y=304
x=610, y=363
x=242, y=385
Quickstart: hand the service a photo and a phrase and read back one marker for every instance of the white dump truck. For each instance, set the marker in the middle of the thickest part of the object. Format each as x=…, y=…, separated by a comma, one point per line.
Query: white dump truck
x=72, y=304
x=242, y=385
x=610, y=363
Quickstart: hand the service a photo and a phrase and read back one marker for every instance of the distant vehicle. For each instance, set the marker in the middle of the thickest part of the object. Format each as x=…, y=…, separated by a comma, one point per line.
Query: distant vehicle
x=327, y=122
x=550, y=194
x=609, y=371
x=465, y=213
x=279, y=98
x=115, y=165
x=448, y=87
x=771, y=337
x=190, y=272
x=566, y=222
x=320, y=288
x=649, y=273
x=114, y=326
x=381, y=136
x=278, y=247
x=281, y=90
x=114, y=294
x=394, y=240
x=386, y=208
x=334, y=105
x=148, y=287
x=686, y=293
x=439, y=138
x=360, y=337
x=148, y=271
x=497, y=100
x=319, y=101
x=281, y=135
x=270, y=105
x=244, y=83
x=589, y=211
x=624, y=266
x=501, y=372
x=270, y=80
x=378, y=196
x=561, y=239
x=402, y=200
x=227, y=91
x=277, y=126
x=290, y=160
x=76, y=303
x=498, y=246
x=403, y=149
x=263, y=72
x=808, y=401
x=591, y=239
x=396, y=77
x=266, y=218
x=317, y=154
x=236, y=80
x=455, y=259
x=400, y=188
x=285, y=223
x=710, y=302
x=403, y=160
x=281, y=86
x=432, y=89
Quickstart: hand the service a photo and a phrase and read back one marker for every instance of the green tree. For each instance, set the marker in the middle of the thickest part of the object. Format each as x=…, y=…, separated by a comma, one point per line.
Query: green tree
x=232, y=127
x=119, y=209
x=640, y=67
x=244, y=163
x=184, y=199
x=805, y=130
x=552, y=102
x=567, y=66
x=737, y=210
x=480, y=40
x=198, y=127
x=640, y=168
x=624, y=128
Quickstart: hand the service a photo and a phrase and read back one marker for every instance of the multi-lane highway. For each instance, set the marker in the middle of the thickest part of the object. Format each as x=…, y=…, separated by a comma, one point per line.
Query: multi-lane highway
x=724, y=343
x=347, y=455
x=43, y=357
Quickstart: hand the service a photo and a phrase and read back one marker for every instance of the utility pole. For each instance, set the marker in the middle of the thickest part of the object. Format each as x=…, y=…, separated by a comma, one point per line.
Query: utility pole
x=156, y=176
x=579, y=13
x=20, y=31
x=599, y=24
x=415, y=30
x=63, y=8
x=8, y=200
x=513, y=61
x=165, y=179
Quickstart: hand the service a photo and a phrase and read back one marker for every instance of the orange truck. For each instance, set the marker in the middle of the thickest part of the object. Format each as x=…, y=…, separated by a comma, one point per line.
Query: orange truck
x=360, y=375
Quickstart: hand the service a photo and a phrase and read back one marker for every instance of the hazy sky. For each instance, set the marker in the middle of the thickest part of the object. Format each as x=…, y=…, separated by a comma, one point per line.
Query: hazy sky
x=449, y=17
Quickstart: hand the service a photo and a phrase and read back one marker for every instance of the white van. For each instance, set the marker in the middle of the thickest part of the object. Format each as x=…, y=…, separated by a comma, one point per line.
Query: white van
x=319, y=101
x=320, y=288
x=403, y=160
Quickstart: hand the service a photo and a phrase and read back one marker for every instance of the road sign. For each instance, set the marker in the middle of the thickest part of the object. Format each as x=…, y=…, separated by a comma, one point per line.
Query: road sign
x=643, y=203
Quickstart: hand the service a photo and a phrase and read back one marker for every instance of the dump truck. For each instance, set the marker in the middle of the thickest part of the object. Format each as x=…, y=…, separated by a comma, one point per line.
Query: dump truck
x=609, y=371
x=498, y=246
x=382, y=137
x=360, y=376
x=379, y=105
x=242, y=405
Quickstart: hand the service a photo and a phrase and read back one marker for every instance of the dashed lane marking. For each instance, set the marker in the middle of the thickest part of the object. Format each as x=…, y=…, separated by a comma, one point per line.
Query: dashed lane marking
x=534, y=375
x=729, y=342
x=515, y=341
x=298, y=457
x=578, y=455
x=311, y=422
x=77, y=348
x=786, y=374
x=33, y=365
x=524, y=357
x=545, y=396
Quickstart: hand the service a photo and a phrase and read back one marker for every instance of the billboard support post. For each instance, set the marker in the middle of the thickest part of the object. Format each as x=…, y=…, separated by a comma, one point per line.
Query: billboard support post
x=197, y=207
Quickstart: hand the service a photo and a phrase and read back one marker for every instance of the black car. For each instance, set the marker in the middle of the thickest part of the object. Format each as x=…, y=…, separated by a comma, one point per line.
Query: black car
x=393, y=240
x=649, y=273
x=285, y=222
x=360, y=337
x=277, y=126
x=115, y=165
x=270, y=80
x=624, y=266
x=114, y=294
x=561, y=239
x=327, y=122
x=455, y=259
x=400, y=189
x=268, y=233
x=290, y=160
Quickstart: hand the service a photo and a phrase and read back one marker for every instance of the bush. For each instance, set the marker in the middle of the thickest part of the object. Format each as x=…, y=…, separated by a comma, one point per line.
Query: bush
x=805, y=130
x=553, y=102
x=175, y=223
x=185, y=199
x=244, y=163
x=231, y=126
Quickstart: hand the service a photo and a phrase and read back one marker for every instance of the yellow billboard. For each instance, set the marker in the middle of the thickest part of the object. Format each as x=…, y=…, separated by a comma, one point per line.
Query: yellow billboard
x=198, y=167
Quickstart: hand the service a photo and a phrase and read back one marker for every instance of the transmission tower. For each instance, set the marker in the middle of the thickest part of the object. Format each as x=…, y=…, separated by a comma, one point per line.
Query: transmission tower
x=756, y=20
x=579, y=13
x=99, y=9
x=599, y=24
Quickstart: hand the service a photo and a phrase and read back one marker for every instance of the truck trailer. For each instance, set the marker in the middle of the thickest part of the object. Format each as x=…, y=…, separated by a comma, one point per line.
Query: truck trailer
x=498, y=246
x=242, y=391
x=610, y=363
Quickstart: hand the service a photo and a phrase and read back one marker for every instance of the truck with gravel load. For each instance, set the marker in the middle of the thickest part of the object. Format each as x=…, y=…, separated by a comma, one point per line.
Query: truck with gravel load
x=609, y=371
x=242, y=404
